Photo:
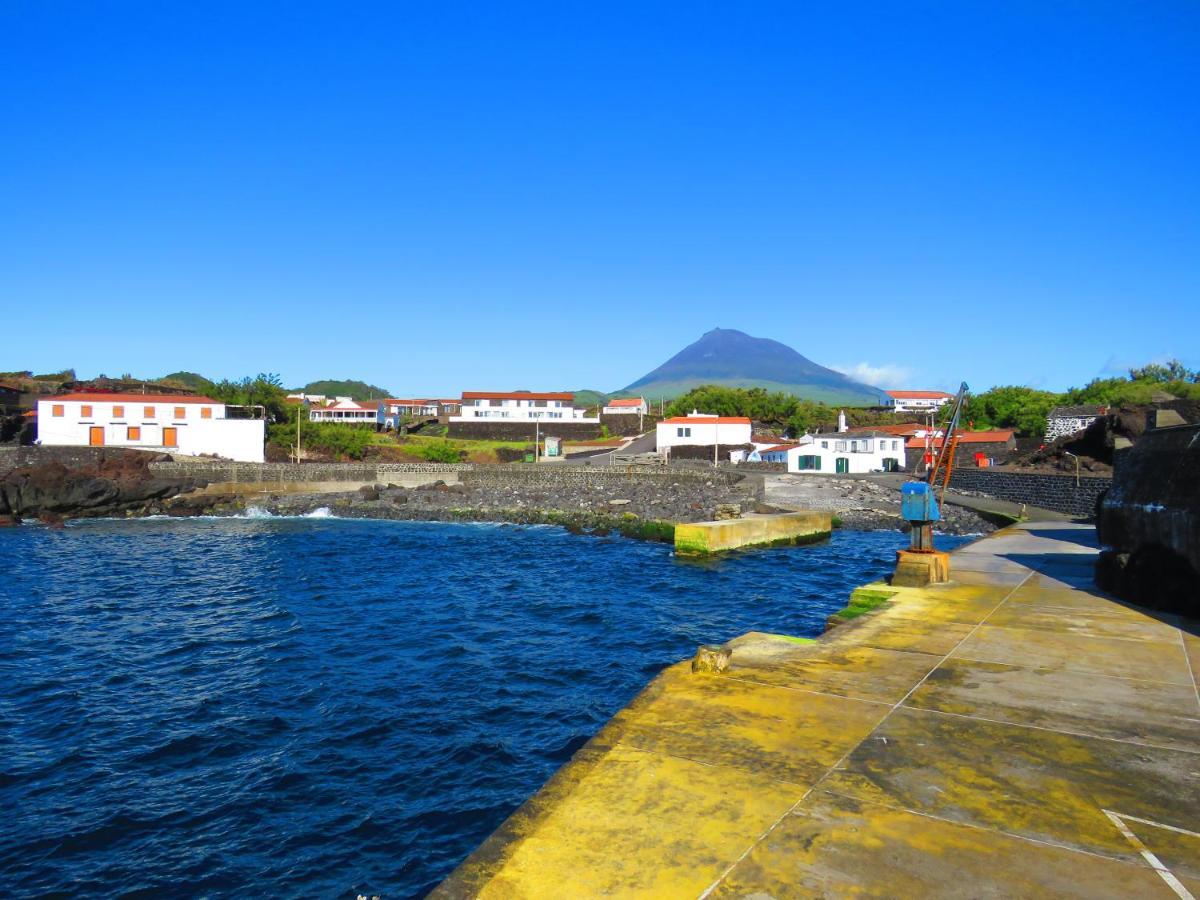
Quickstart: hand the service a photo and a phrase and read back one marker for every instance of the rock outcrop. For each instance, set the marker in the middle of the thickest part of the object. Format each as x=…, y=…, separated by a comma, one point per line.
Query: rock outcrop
x=1149, y=522
x=112, y=483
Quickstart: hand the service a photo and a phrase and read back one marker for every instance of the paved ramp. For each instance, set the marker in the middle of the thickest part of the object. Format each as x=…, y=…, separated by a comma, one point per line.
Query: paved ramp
x=1014, y=733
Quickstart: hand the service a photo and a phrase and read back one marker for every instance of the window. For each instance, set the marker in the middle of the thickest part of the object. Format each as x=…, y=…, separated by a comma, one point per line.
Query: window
x=57, y=410
x=808, y=463
x=133, y=433
x=180, y=412
x=824, y=445
x=206, y=412
x=118, y=412
x=147, y=412
x=85, y=411
x=683, y=432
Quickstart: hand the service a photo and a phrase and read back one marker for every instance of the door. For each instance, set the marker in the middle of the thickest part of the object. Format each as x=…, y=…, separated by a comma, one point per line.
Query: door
x=96, y=436
x=170, y=437
x=843, y=465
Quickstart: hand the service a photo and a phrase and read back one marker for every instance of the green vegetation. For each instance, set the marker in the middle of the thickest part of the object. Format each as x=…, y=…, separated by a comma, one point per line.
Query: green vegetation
x=356, y=390
x=773, y=409
x=1025, y=409
x=863, y=601
x=438, y=451
x=590, y=398
x=342, y=442
x=189, y=380
x=264, y=389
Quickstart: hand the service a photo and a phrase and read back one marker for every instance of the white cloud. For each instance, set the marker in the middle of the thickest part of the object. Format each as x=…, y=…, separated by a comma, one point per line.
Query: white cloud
x=883, y=376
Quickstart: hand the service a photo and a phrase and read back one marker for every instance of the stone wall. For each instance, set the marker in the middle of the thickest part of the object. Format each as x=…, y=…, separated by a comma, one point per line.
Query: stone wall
x=626, y=425
x=964, y=454
x=221, y=472
x=522, y=431
x=1047, y=490
x=550, y=474
x=703, y=452
x=1149, y=523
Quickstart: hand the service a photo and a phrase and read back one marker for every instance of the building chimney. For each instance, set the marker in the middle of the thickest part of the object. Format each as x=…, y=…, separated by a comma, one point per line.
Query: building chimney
x=842, y=421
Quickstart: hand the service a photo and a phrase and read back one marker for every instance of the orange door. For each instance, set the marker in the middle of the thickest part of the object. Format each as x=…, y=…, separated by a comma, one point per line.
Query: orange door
x=170, y=437
x=96, y=436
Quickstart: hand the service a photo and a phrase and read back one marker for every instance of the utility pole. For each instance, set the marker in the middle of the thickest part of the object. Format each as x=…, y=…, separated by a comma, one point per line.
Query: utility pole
x=537, y=438
x=299, y=410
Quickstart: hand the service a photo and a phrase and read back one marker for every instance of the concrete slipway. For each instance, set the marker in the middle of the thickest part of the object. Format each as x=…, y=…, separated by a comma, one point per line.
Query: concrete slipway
x=1014, y=733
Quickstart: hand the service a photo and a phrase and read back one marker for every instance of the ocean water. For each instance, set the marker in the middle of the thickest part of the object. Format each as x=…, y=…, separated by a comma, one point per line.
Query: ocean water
x=323, y=708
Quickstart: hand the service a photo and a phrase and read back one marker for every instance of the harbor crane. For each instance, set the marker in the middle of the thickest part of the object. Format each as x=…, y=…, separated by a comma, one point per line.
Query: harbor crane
x=918, y=504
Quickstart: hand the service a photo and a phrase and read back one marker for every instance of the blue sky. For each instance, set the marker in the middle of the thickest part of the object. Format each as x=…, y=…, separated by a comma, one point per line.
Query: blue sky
x=444, y=196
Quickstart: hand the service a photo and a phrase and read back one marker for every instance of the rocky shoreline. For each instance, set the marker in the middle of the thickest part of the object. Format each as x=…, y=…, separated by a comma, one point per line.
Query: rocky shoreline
x=124, y=486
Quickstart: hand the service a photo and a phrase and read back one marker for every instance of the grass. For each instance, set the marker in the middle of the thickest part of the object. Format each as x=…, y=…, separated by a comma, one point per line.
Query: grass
x=462, y=444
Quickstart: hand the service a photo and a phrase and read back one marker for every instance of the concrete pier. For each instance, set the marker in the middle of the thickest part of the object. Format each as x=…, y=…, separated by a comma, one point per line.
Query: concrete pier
x=754, y=530
x=1014, y=732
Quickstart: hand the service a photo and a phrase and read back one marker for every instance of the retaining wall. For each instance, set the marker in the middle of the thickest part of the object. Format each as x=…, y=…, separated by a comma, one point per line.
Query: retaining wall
x=551, y=474
x=1047, y=490
x=523, y=431
x=217, y=472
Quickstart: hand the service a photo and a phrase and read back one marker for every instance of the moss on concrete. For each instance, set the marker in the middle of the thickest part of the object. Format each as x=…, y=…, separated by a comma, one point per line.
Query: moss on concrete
x=862, y=601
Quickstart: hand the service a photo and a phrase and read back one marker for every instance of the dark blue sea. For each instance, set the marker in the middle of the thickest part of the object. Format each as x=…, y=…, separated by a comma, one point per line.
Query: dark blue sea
x=325, y=708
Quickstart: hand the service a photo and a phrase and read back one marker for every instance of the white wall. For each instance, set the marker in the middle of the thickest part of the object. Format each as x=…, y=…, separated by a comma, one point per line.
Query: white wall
x=639, y=410
x=918, y=405
x=523, y=411
x=703, y=433
x=862, y=454
x=241, y=440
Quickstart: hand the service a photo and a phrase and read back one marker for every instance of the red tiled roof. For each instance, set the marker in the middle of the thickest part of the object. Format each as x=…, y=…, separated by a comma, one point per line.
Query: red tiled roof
x=965, y=437
x=706, y=420
x=627, y=401
x=779, y=447
x=518, y=395
x=918, y=395
x=169, y=399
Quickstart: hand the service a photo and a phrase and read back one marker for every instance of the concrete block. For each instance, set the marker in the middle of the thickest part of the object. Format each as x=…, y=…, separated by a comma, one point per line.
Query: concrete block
x=703, y=538
x=920, y=569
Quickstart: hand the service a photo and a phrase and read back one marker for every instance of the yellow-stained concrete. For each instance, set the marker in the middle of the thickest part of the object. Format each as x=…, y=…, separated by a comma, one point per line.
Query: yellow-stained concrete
x=766, y=530
x=1011, y=733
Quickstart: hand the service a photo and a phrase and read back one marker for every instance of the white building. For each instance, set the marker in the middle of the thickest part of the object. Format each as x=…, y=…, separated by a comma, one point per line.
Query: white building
x=700, y=429
x=521, y=406
x=1065, y=420
x=917, y=401
x=853, y=454
x=181, y=424
x=349, y=412
x=627, y=406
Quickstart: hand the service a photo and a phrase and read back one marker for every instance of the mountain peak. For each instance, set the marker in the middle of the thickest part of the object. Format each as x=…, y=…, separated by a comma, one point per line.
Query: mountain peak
x=732, y=358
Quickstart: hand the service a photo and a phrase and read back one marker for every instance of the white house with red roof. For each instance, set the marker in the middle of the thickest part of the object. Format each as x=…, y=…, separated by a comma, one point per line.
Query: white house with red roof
x=174, y=423
x=917, y=401
x=626, y=406
x=840, y=453
x=348, y=412
x=522, y=406
x=701, y=429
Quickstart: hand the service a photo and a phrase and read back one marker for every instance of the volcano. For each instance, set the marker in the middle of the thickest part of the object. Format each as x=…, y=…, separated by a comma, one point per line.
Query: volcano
x=732, y=358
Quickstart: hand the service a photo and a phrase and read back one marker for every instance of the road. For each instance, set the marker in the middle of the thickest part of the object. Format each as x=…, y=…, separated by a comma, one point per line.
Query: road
x=644, y=444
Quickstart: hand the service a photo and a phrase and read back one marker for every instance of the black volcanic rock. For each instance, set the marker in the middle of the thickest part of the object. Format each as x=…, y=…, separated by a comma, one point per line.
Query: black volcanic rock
x=110, y=485
x=732, y=358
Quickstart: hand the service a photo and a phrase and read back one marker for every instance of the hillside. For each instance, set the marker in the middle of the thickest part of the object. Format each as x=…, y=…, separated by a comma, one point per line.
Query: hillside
x=190, y=380
x=732, y=358
x=357, y=390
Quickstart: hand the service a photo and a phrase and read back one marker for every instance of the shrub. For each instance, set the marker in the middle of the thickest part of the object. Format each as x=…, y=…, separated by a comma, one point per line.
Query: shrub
x=438, y=452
